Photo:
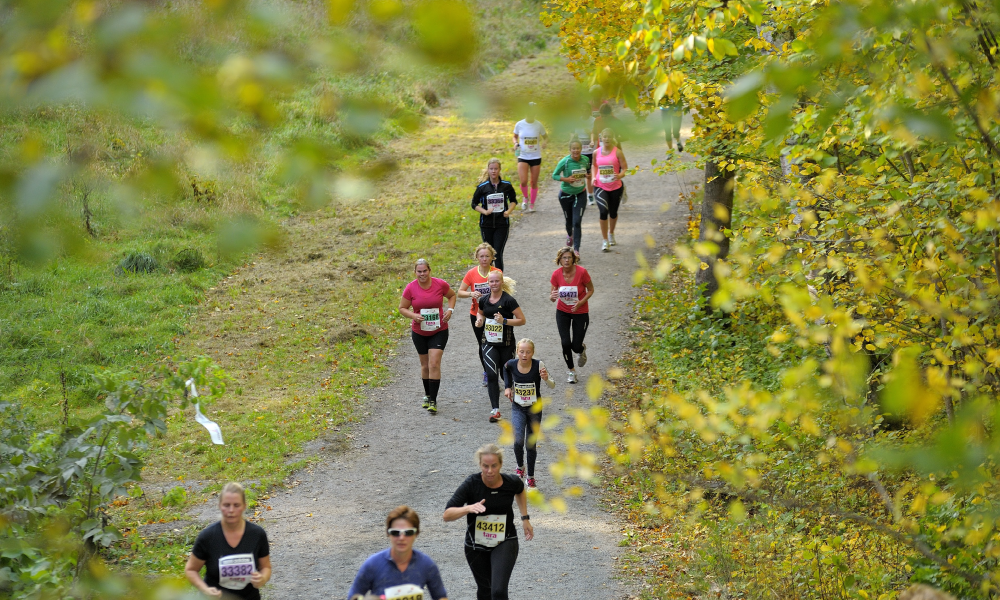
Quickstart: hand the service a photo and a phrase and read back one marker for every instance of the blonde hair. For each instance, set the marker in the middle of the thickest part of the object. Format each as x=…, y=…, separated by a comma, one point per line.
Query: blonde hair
x=421, y=261
x=564, y=250
x=486, y=172
x=233, y=488
x=509, y=285
x=609, y=131
x=526, y=341
x=489, y=449
x=481, y=247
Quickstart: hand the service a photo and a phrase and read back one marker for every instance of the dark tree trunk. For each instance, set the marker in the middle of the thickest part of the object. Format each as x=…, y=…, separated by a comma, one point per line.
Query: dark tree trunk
x=716, y=215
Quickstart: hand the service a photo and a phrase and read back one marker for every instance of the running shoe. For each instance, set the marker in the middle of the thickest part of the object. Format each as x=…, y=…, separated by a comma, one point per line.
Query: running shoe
x=576, y=253
x=583, y=356
x=494, y=415
x=571, y=377
x=606, y=247
x=590, y=200
x=532, y=207
x=612, y=240
x=569, y=240
x=531, y=483
x=520, y=473
x=680, y=146
x=432, y=407
x=427, y=402
x=524, y=206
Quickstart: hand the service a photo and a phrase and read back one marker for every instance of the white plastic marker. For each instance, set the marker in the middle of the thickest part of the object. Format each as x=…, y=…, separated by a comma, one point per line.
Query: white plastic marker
x=210, y=425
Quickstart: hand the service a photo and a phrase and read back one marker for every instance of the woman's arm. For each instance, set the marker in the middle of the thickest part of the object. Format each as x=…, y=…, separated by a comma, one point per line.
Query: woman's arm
x=622, y=161
x=590, y=292
x=452, y=299
x=464, y=290
x=554, y=294
x=455, y=513
x=404, y=309
x=192, y=570
x=522, y=505
x=263, y=574
x=518, y=318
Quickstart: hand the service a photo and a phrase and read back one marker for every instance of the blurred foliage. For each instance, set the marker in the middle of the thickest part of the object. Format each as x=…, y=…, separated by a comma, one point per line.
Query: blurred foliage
x=865, y=233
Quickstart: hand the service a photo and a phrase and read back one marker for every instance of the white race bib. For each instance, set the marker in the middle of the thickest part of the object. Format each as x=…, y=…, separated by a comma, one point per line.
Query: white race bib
x=580, y=175
x=525, y=393
x=483, y=288
x=606, y=173
x=432, y=319
x=584, y=141
x=235, y=571
x=530, y=143
x=494, y=202
x=407, y=591
x=493, y=331
x=569, y=294
x=490, y=530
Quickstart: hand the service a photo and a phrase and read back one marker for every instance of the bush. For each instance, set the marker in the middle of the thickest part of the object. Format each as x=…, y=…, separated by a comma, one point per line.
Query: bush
x=137, y=262
x=188, y=260
x=177, y=496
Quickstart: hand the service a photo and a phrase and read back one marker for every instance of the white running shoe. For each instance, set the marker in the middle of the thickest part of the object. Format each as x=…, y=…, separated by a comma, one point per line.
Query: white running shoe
x=606, y=247
x=571, y=377
x=612, y=240
x=531, y=208
x=590, y=200
x=524, y=206
x=583, y=356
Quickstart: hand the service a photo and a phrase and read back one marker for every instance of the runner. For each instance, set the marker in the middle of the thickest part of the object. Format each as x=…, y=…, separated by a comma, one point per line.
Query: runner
x=528, y=137
x=235, y=553
x=485, y=499
x=671, y=113
x=499, y=313
x=399, y=572
x=422, y=301
x=523, y=377
x=572, y=171
x=606, y=120
x=609, y=163
x=474, y=286
x=494, y=200
x=585, y=132
x=597, y=99
x=571, y=290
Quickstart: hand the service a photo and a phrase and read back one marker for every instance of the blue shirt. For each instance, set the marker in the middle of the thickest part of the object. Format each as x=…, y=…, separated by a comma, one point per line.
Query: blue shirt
x=380, y=572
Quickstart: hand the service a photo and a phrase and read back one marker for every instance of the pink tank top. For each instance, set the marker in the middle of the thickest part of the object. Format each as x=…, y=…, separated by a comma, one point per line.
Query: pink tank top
x=606, y=167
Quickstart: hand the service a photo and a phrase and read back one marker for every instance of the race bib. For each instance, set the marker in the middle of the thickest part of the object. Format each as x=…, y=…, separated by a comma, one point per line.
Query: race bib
x=606, y=173
x=584, y=141
x=580, y=175
x=235, y=571
x=490, y=530
x=525, y=393
x=494, y=202
x=432, y=319
x=569, y=294
x=530, y=143
x=494, y=332
x=407, y=591
x=482, y=288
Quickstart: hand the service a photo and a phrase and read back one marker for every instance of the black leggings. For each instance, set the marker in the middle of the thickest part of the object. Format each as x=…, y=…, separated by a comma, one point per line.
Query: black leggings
x=494, y=358
x=492, y=569
x=608, y=202
x=496, y=237
x=578, y=323
x=527, y=422
x=479, y=339
x=573, y=206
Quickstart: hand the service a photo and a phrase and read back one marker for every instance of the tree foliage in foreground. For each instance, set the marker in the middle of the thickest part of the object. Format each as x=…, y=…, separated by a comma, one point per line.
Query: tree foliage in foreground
x=862, y=139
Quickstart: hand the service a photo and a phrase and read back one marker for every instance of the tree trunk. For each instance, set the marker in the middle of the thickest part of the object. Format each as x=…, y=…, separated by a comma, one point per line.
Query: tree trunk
x=716, y=215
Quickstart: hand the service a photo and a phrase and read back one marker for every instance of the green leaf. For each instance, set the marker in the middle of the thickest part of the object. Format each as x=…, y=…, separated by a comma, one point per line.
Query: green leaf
x=741, y=97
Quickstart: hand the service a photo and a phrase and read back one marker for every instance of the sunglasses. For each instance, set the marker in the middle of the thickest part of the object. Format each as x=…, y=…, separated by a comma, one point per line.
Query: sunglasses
x=399, y=532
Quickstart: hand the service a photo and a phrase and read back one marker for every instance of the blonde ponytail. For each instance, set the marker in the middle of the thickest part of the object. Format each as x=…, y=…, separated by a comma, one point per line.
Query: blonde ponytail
x=509, y=285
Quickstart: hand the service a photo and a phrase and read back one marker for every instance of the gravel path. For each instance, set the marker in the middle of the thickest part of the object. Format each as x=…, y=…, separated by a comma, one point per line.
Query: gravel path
x=402, y=455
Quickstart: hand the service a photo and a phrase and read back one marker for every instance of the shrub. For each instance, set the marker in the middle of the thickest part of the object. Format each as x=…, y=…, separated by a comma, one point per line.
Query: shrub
x=137, y=262
x=189, y=260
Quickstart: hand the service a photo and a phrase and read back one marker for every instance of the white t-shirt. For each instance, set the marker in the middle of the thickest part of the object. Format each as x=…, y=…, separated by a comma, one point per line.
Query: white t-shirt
x=529, y=135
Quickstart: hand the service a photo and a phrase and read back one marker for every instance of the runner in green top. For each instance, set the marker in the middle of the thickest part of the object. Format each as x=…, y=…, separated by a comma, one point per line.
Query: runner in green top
x=572, y=172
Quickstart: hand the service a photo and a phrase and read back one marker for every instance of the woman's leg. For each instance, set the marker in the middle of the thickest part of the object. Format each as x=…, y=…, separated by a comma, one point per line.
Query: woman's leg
x=519, y=419
x=491, y=356
x=534, y=426
x=580, y=324
x=424, y=367
x=601, y=195
x=614, y=201
x=566, y=201
x=535, y=170
x=563, y=321
x=503, y=558
x=479, y=339
x=579, y=206
x=498, y=242
x=523, y=171
x=481, y=566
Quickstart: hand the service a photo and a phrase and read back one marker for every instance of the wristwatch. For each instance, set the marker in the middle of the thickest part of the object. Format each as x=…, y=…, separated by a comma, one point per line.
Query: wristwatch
x=525, y=517
x=450, y=309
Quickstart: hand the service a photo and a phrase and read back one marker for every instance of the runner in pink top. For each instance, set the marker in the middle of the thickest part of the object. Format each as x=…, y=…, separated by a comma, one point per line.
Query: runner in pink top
x=423, y=303
x=609, y=167
x=571, y=290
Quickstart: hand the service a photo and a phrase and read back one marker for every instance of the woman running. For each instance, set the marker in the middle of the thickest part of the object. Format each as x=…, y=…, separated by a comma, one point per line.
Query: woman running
x=498, y=314
x=523, y=377
x=528, y=137
x=474, y=286
x=486, y=500
x=422, y=301
x=671, y=113
x=399, y=572
x=572, y=171
x=494, y=200
x=235, y=553
x=571, y=290
x=609, y=167
x=585, y=131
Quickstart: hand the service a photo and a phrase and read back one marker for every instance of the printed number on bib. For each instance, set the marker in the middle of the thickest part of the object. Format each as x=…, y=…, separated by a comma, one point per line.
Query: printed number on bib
x=432, y=319
x=482, y=288
x=493, y=331
x=530, y=143
x=490, y=530
x=407, y=591
x=607, y=173
x=580, y=175
x=235, y=571
x=525, y=393
x=569, y=294
x=494, y=202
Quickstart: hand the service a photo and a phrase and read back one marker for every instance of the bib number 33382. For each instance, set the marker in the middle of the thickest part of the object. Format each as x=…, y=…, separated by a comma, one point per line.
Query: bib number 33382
x=490, y=530
x=235, y=571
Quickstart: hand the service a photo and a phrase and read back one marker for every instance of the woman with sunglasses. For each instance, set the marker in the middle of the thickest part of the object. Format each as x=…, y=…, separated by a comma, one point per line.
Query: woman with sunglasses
x=486, y=501
x=400, y=572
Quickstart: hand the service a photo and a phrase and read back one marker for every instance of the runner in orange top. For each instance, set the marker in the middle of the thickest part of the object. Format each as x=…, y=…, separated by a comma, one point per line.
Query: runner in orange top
x=473, y=286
